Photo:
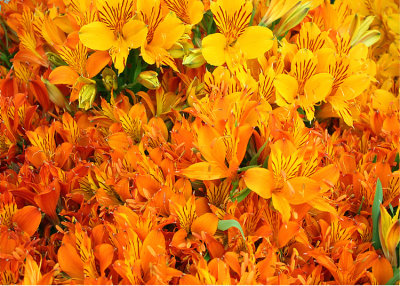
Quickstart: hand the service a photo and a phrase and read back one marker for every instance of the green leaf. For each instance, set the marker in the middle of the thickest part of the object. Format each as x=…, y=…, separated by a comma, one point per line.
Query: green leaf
x=265, y=164
x=375, y=159
x=235, y=184
x=247, y=168
x=207, y=256
x=375, y=215
x=360, y=208
x=253, y=160
x=226, y=224
x=242, y=195
x=395, y=278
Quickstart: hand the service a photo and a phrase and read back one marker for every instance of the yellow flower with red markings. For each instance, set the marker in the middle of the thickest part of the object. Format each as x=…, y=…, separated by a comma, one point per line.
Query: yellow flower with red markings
x=116, y=31
x=232, y=18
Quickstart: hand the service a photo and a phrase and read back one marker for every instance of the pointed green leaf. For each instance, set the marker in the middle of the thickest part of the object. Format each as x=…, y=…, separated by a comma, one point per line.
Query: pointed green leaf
x=226, y=224
x=375, y=215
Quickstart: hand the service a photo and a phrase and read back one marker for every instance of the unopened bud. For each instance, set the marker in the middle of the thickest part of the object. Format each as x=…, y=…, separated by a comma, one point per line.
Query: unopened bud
x=292, y=18
x=194, y=91
x=149, y=79
x=109, y=79
x=55, y=95
x=55, y=59
x=87, y=95
x=177, y=51
x=194, y=60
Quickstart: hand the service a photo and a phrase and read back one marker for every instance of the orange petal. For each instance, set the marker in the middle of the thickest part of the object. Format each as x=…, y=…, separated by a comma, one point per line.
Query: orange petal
x=329, y=175
x=281, y=205
x=62, y=153
x=382, y=270
x=287, y=232
x=96, y=62
x=260, y=180
x=215, y=248
x=105, y=255
x=207, y=222
x=47, y=202
x=63, y=75
x=28, y=219
x=205, y=171
x=179, y=239
x=232, y=259
x=153, y=246
x=188, y=279
x=70, y=262
x=36, y=156
x=119, y=142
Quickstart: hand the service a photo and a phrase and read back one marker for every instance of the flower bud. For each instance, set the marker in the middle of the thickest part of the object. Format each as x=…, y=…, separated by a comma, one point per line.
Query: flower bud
x=292, y=18
x=177, y=51
x=194, y=60
x=55, y=59
x=109, y=79
x=149, y=79
x=195, y=91
x=55, y=95
x=87, y=95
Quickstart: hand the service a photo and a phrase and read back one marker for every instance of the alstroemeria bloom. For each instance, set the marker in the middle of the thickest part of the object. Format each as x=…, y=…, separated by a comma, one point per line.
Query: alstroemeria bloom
x=286, y=183
x=389, y=234
x=304, y=87
x=232, y=18
x=115, y=31
x=163, y=32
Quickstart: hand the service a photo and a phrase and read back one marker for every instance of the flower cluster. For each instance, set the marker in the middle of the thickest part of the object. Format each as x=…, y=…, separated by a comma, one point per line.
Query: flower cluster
x=199, y=142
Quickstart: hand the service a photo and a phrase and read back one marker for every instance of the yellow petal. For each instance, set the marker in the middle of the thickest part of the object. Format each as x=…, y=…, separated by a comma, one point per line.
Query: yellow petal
x=281, y=205
x=135, y=33
x=168, y=32
x=342, y=107
x=286, y=89
x=353, y=86
x=255, y=41
x=393, y=237
x=213, y=49
x=97, y=36
x=318, y=87
x=260, y=181
x=119, y=54
x=195, y=11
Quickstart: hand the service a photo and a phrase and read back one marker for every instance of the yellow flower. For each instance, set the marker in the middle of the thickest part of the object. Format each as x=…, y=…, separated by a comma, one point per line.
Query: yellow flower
x=163, y=32
x=189, y=11
x=304, y=87
x=232, y=18
x=115, y=31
